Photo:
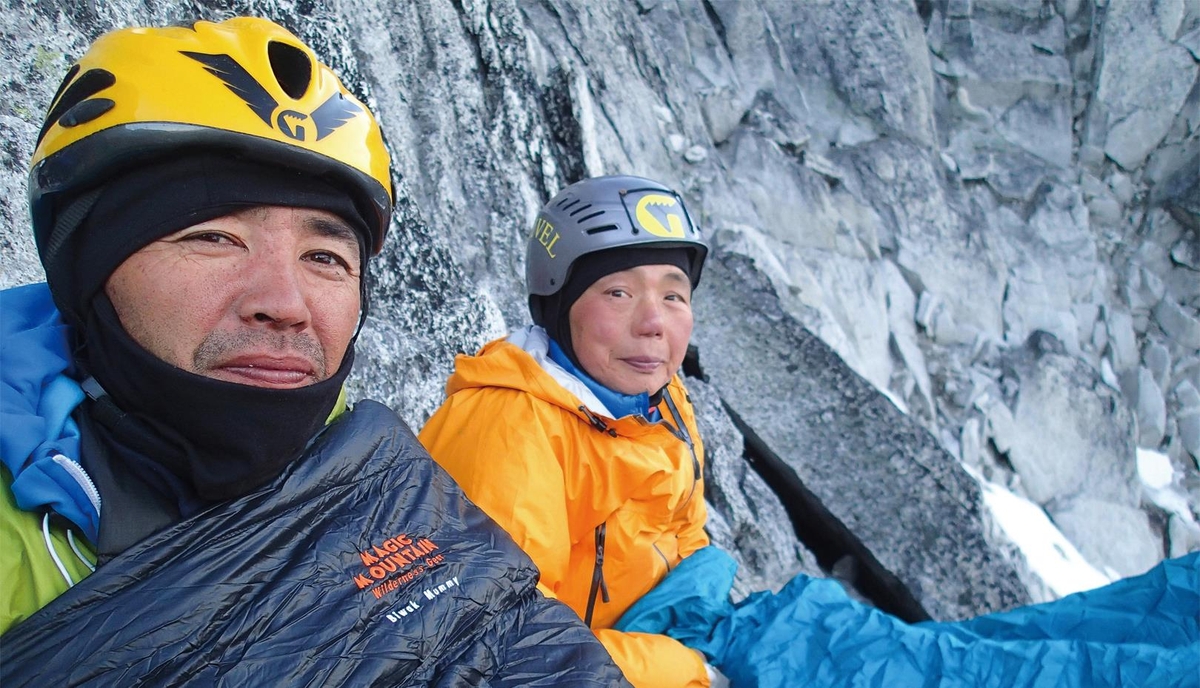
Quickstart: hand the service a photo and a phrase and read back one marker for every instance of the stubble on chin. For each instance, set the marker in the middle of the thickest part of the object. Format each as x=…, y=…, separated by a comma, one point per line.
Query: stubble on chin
x=219, y=347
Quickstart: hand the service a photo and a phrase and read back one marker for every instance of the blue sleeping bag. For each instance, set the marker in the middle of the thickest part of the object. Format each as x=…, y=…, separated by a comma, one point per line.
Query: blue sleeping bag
x=1141, y=631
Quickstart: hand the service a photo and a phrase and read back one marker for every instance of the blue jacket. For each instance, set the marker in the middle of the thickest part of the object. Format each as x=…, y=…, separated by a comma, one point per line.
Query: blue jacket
x=39, y=443
x=1142, y=631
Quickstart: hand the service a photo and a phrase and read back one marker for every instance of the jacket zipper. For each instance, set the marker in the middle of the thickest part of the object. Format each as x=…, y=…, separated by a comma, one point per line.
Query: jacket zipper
x=82, y=478
x=681, y=432
x=598, y=584
x=663, y=557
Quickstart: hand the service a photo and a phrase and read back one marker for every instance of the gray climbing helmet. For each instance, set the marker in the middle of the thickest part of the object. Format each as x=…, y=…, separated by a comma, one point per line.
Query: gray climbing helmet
x=602, y=213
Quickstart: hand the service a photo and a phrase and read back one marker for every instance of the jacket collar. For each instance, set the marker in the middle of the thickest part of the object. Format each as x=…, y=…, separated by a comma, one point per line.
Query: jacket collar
x=39, y=443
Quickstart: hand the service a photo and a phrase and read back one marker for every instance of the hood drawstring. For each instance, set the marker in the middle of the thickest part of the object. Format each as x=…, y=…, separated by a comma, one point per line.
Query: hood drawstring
x=62, y=568
x=597, y=422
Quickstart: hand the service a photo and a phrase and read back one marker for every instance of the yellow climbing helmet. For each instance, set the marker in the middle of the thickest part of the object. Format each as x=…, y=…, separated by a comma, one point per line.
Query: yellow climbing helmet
x=244, y=86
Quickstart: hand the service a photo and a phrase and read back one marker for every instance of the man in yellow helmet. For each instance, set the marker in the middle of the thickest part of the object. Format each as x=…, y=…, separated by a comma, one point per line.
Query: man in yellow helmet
x=185, y=495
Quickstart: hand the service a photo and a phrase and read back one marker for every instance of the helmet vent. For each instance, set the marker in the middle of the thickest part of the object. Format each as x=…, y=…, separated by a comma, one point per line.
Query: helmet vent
x=86, y=111
x=292, y=68
x=585, y=218
x=597, y=230
x=573, y=201
x=92, y=82
x=581, y=208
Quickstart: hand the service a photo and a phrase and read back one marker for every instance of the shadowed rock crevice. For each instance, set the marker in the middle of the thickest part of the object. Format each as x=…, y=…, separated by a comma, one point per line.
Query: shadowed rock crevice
x=558, y=109
x=837, y=549
x=718, y=26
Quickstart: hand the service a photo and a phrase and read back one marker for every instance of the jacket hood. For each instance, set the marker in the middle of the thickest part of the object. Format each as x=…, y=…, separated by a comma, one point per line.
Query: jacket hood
x=40, y=444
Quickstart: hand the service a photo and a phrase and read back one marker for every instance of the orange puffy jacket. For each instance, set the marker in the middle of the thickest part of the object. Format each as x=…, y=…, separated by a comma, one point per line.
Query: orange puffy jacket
x=561, y=478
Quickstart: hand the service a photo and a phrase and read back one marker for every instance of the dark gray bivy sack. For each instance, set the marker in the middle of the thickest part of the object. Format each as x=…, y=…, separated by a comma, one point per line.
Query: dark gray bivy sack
x=363, y=564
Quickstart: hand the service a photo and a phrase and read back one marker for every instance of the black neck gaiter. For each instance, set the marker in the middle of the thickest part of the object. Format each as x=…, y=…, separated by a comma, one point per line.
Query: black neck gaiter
x=220, y=438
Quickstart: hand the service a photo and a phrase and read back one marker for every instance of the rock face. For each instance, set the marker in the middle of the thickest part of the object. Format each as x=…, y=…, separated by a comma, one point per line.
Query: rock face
x=857, y=455
x=946, y=234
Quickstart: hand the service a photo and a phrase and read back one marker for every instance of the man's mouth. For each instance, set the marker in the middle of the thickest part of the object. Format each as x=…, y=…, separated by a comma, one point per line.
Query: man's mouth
x=264, y=370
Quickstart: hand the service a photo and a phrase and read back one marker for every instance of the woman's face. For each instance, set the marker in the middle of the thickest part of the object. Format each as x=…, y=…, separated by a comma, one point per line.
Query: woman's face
x=631, y=328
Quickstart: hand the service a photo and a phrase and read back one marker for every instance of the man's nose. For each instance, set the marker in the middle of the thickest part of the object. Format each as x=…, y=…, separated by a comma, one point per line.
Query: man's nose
x=274, y=294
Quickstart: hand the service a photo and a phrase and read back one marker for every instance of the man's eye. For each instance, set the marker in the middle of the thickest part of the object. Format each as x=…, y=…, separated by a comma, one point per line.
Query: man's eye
x=209, y=237
x=328, y=258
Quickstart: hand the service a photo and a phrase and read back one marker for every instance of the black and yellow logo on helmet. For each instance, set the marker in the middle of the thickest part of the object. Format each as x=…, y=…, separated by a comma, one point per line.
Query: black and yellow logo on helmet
x=658, y=213
x=333, y=113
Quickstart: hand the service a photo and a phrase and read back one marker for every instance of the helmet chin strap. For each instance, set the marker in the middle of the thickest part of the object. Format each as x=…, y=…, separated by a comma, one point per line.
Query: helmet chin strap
x=66, y=222
x=364, y=288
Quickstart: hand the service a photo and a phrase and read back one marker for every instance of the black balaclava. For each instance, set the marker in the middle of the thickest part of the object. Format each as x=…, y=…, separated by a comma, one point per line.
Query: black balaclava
x=553, y=312
x=220, y=439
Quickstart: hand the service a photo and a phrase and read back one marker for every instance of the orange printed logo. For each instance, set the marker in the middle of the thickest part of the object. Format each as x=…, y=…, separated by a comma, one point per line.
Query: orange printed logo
x=395, y=561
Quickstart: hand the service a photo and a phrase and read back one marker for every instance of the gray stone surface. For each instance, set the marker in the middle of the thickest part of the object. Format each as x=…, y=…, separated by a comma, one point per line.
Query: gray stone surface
x=745, y=516
x=1180, y=323
x=1188, y=418
x=1186, y=253
x=1055, y=442
x=1143, y=80
x=1074, y=455
x=901, y=311
x=1150, y=409
x=1052, y=269
x=1189, y=433
x=1157, y=359
x=1118, y=538
x=1122, y=339
x=850, y=446
x=1183, y=534
x=1187, y=395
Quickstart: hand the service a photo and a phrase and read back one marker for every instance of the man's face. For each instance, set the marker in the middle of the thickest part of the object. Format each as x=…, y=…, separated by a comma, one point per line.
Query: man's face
x=630, y=329
x=267, y=297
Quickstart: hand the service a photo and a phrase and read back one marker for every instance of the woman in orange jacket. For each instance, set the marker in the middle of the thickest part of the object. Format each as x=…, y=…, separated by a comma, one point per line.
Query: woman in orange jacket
x=576, y=434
